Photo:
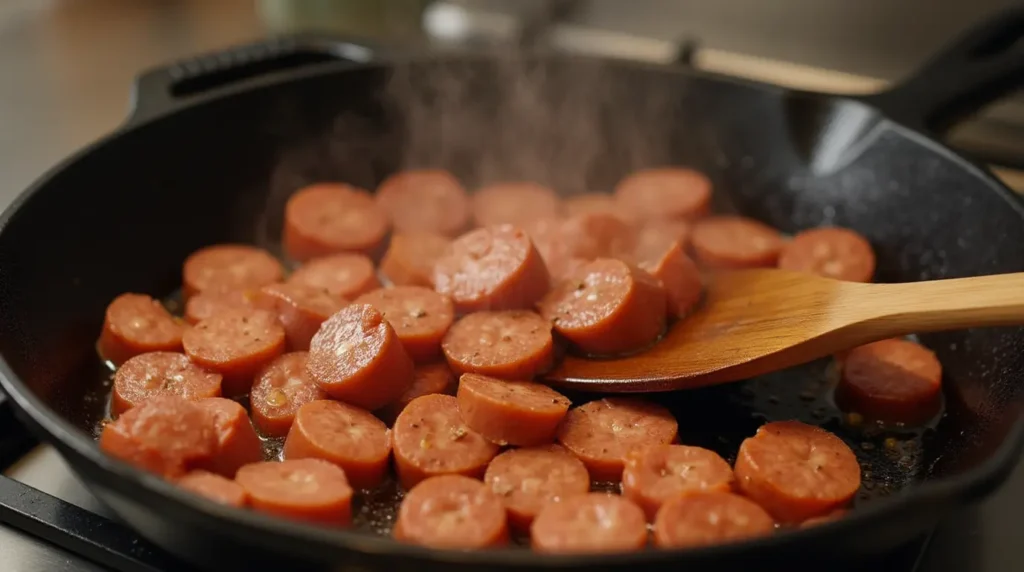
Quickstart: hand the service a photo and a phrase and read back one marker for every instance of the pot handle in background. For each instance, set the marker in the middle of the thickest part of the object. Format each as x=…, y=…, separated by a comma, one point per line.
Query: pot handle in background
x=164, y=89
x=985, y=63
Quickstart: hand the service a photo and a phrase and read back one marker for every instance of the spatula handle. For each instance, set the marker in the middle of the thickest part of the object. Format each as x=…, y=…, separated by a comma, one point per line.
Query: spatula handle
x=952, y=304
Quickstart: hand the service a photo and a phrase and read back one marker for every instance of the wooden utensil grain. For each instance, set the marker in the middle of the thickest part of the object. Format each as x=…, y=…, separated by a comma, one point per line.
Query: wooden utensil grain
x=756, y=321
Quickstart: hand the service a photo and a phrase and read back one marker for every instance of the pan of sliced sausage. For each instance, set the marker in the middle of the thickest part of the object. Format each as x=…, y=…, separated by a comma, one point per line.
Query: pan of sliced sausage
x=316, y=335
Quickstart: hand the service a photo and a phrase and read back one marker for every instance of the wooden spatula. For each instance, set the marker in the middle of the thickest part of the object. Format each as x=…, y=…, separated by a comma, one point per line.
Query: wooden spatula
x=756, y=321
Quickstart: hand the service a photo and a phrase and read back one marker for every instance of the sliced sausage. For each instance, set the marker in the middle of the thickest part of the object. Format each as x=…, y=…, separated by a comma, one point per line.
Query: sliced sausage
x=136, y=324
x=425, y=200
x=655, y=474
x=357, y=357
x=607, y=307
x=225, y=267
x=665, y=193
x=279, y=390
x=235, y=344
x=300, y=309
x=160, y=373
x=587, y=203
x=493, y=268
x=735, y=242
x=454, y=512
x=328, y=218
x=520, y=413
x=514, y=203
x=599, y=235
x=797, y=471
x=529, y=479
x=420, y=317
x=603, y=432
x=347, y=436
x=707, y=518
x=410, y=258
x=427, y=379
x=832, y=252
x=590, y=523
x=679, y=276
x=166, y=435
x=342, y=276
x=214, y=487
x=653, y=236
x=237, y=442
x=555, y=247
x=516, y=344
x=205, y=304
x=309, y=490
x=430, y=439
x=892, y=380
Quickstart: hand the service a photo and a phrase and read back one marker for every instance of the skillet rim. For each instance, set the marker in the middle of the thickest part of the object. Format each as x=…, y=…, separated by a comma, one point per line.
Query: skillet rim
x=78, y=447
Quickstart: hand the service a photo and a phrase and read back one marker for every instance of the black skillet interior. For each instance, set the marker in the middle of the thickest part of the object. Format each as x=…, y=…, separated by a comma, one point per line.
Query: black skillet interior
x=123, y=215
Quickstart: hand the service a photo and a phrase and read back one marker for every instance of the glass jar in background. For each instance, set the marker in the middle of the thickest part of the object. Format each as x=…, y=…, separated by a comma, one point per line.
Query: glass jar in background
x=396, y=19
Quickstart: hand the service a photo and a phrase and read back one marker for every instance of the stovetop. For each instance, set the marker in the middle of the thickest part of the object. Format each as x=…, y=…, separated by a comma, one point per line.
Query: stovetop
x=49, y=521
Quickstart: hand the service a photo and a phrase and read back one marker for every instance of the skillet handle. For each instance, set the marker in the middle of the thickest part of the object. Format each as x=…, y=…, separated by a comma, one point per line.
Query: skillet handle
x=161, y=90
x=984, y=64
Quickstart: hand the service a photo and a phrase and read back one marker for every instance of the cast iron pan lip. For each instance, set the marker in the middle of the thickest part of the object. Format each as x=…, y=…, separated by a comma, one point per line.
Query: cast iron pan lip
x=246, y=525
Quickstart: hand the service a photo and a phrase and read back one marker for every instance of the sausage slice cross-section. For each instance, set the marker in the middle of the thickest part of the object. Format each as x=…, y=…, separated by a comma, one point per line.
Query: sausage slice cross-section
x=136, y=324
x=452, y=511
x=347, y=436
x=356, y=357
x=655, y=474
x=679, y=276
x=425, y=200
x=514, y=203
x=309, y=490
x=280, y=389
x=301, y=309
x=797, y=471
x=342, y=276
x=735, y=242
x=515, y=344
x=214, y=487
x=520, y=413
x=665, y=193
x=327, y=218
x=237, y=442
x=893, y=380
x=707, y=518
x=431, y=439
x=420, y=317
x=427, y=379
x=832, y=252
x=155, y=373
x=529, y=479
x=603, y=432
x=235, y=344
x=590, y=523
x=226, y=267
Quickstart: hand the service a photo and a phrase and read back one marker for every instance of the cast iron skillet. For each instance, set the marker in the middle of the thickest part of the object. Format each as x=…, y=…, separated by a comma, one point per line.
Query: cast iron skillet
x=215, y=145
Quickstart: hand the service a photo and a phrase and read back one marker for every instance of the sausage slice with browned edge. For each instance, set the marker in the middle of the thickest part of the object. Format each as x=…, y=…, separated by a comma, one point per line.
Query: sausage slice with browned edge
x=136, y=324
x=410, y=258
x=237, y=442
x=279, y=390
x=309, y=490
x=301, y=309
x=357, y=357
x=516, y=344
x=225, y=267
x=492, y=268
x=514, y=203
x=709, y=517
x=678, y=274
x=797, y=471
x=430, y=439
x=529, y=479
x=425, y=200
x=607, y=307
x=420, y=317
x=665, y=193
x=235, y=344
x=341, y=276
x=454, y=512
x=327, y=218
x=731, y=242
x=520, y=413
x=655, y=474
x=166, y=435
x=832, y=252
x=603, y=432
x=160, y=373
x=894, y=380
x=590, y=523
x=342, y=434
x=427, y=379
x=214, y=487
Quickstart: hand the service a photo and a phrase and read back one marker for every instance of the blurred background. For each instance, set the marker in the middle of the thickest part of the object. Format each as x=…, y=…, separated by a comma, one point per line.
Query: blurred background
x=67, y=65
